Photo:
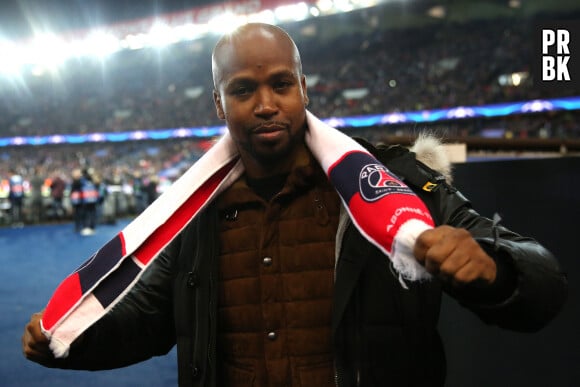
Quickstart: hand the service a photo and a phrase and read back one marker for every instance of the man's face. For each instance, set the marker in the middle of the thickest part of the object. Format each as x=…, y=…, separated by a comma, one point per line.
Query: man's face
x=262, y=96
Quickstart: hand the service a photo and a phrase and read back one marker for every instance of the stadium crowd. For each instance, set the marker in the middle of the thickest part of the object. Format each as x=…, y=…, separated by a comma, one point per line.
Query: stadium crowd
x=372, y=72
x=130, y=175
x=437, y=66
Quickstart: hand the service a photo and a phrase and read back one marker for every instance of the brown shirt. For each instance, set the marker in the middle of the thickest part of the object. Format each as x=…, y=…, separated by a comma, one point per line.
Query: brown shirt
x=276, y=280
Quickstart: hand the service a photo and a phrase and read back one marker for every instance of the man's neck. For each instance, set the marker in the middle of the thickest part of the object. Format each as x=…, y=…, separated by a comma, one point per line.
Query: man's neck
x=267, y=187
x=258, y=169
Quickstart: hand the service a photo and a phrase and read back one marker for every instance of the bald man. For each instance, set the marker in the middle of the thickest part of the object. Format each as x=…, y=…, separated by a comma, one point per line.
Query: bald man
x=271, y=286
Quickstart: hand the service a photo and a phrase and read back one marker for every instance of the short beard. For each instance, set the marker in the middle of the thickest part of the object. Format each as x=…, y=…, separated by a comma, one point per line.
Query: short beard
x=275, y=157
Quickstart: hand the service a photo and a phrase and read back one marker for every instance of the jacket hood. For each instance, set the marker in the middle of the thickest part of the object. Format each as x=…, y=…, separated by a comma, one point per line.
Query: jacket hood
x=430, y=150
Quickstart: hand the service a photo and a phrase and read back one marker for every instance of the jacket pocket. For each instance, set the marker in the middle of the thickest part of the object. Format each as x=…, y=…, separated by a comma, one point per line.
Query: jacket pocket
x=237, y=375
x=317, y=375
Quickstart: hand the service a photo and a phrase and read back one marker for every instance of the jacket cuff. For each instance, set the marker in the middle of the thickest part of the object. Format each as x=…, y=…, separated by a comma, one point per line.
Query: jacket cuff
x=501, y=290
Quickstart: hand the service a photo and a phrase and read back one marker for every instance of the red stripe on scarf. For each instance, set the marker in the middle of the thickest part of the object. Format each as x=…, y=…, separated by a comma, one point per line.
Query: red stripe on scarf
x=69, y=292
x=164, y=234
x=381, y=219
x=65, y=297
x=123, y=247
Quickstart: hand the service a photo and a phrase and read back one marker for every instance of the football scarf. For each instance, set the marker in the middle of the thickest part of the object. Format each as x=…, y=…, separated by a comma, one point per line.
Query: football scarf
x=383, y=208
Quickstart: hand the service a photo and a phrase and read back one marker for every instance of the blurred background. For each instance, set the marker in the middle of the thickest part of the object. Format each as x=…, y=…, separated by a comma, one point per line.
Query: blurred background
x=124, y=87
x=122, y=92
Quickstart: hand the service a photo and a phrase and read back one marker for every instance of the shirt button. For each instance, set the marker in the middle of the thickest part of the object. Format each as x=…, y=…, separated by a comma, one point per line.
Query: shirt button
x=267, y=261
x=272, y=336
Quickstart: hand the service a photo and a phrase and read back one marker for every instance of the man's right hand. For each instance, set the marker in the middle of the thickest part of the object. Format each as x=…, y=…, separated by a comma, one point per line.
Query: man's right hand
x=34, y=342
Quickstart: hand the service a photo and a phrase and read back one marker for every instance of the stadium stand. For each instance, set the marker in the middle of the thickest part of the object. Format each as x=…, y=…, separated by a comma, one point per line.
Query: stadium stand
x=372, y=69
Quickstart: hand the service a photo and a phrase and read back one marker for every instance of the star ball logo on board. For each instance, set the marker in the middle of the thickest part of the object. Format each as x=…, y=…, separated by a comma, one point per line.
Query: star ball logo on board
x=557, y=55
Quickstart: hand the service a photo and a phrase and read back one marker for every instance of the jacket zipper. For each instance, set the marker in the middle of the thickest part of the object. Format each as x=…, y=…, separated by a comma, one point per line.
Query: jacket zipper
x=212, y=279
x=343, y=223
x=357, y=336
x=211, y=338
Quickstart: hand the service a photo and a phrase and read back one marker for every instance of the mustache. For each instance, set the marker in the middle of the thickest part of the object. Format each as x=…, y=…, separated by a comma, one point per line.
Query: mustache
x=269, y=126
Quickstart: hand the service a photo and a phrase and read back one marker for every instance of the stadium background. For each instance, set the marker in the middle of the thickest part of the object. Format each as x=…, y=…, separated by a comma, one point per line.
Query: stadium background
x=382, y=70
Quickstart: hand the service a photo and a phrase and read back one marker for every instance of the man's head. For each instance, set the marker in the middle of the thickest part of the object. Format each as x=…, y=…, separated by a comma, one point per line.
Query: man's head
x=77, y=173
x=260, y=91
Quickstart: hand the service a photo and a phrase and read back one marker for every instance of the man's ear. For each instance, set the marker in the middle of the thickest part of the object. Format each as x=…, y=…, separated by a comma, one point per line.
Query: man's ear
x=304, y=91
x=217, y=100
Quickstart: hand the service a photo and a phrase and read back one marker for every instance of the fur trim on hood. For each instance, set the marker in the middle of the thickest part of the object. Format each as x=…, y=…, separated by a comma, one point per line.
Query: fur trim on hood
x=431, y=152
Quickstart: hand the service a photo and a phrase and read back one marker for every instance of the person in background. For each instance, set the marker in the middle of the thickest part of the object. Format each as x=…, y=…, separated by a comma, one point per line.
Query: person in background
x=57, y=188
x=101, y=188
x=16, y=197
x=151, y=189
x=36, y=198
x=272, y=285
x=76, y=199
x=90, y=198
x=139, y=192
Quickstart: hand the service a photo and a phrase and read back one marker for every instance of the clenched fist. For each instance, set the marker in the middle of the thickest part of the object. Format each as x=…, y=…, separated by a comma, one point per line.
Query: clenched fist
x=452, y=255
x=35, y=343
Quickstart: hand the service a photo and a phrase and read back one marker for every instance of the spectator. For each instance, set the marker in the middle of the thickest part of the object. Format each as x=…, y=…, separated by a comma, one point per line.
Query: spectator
x=90, y=198
x=57, y=187
x=36, y=198
x=151, y=189
x=16, y=196
x=76, y=199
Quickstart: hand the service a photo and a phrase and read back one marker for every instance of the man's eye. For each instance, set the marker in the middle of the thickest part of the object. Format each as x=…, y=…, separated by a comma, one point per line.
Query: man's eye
x=282, y=85
x=241, y=90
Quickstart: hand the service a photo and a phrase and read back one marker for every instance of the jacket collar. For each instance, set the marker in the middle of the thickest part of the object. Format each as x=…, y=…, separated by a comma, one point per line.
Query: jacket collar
x=305, y=174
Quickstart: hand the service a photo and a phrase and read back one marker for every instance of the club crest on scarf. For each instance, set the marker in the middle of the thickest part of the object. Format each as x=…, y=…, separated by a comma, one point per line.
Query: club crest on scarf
x=375, y=182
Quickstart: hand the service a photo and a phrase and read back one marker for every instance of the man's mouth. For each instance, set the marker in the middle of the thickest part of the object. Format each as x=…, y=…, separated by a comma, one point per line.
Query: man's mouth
x=269, y=128
x=270, y=131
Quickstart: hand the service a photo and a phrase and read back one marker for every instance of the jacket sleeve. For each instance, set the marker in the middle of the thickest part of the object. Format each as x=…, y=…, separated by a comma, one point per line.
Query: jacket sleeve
x=538, y=287
x=530, y=288
x=139, y=327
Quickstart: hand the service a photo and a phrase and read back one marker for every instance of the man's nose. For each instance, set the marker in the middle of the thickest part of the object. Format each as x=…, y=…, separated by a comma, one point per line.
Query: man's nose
x=266, y=103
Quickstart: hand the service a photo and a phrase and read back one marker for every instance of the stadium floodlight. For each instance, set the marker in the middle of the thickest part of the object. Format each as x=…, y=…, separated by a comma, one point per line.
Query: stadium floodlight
x=98, y=43
x=47, y=50
x=11, y=58
x=343, y=5
x=265, y=16
x=190, y=31
x=162, y=35
x=292, y=12
x=226, y=22
x=38, y=70
x=134, y=42
x=364, y=3
x=325, y=6
x=314, y=11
